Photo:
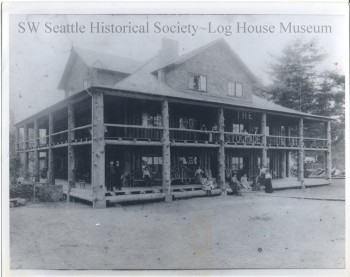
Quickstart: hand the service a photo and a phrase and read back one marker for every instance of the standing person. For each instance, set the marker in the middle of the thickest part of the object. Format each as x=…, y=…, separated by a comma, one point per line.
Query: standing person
x=118, y=176
x=262, y=177
x=268, y=183
x=146, y=177
x=199, y=175
x=214, y=130
x=111, y=176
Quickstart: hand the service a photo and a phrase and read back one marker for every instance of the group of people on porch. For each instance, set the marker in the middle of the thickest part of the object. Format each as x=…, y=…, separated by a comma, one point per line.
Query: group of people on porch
x=114, y=178
x=264, y=179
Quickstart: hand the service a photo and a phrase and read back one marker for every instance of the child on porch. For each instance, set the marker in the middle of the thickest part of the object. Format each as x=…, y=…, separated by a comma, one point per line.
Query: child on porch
x=207, y=185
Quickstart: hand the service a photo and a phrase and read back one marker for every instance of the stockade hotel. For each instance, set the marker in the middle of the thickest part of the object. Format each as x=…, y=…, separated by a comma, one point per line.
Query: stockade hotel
x=172, y=113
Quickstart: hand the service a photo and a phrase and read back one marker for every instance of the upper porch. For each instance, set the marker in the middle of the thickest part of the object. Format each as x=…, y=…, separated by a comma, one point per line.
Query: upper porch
x=131, y=120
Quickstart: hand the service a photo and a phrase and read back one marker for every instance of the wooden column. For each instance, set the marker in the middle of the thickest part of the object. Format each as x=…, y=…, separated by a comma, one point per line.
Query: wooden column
x=36, y=151
x=71, y=154
x=288, y=152
x=221, y=150
x=25, y=136
x=284, y=164
x=16, y=140
x=166, y=181
x=51, y=173
x=264, y=149
x=328, y=152
x=301, y=153
x=98, y=151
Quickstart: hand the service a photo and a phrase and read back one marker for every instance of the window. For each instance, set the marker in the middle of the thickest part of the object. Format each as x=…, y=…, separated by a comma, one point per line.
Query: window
x=237, y=163
x=239, y=89
x=198, y=82
x=154, y=163
x=188, y=160
x=151, y=120
x=237, y=128
x=235, y=89
x=231, y=89
x=187, y=123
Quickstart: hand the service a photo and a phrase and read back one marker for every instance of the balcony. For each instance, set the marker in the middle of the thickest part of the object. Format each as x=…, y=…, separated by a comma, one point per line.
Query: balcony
x=124, y=134
x=193, y=136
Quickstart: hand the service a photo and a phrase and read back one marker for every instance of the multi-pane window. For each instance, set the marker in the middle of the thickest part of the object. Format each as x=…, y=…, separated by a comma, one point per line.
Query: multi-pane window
x=151, y=120
x=237, y=163
x=188, y=160
x=231, y=89
x=187, y=123
x=237, y=128
x=239, y=89
x=154, y=163
x=198, y=82
x=235, y=89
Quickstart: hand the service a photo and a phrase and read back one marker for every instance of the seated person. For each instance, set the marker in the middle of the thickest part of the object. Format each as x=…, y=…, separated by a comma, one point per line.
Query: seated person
x=244, y=182
x=207, y=185
x=235, y=185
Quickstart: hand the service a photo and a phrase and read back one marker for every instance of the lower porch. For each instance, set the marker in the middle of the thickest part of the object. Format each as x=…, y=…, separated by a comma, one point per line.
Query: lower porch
x=83, y=191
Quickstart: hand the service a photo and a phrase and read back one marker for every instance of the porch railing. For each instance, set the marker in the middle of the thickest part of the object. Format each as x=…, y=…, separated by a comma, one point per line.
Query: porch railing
x=133, y=132
x=191, y=135
x=60, y=137
x=243, y=138
x=282, y=141
x=315, y=143
x=82, y=133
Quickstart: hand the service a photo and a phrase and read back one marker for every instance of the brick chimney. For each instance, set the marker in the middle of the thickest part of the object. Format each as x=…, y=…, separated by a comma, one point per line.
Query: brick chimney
x=169, y=50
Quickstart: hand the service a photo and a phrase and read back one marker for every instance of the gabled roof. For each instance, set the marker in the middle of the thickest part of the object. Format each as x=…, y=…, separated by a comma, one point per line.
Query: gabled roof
x=107, y=62
x=98, y=60
x=218, y=42
x=145, y=81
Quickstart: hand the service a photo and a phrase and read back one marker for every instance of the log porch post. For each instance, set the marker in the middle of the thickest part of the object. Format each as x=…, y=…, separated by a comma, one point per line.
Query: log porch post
x=301, y=153
x=166, y=180
x=221, y=151
x=284, y=164
x=51, y=174
x=288, y=153
x=264, y=140
x=98, y=151
x=25, y=137
x=36, y=151
x=328, y=152
x=71, y=154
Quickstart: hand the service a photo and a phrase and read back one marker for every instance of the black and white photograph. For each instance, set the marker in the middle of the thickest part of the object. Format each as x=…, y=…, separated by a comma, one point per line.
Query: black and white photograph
x=175, y=140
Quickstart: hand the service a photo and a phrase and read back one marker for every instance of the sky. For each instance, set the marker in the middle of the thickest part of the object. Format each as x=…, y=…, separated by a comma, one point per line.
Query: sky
x=38, y=59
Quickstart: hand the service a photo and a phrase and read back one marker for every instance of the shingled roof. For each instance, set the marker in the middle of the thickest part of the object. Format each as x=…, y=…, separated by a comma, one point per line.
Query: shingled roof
x=145, y=81
x=107, y=62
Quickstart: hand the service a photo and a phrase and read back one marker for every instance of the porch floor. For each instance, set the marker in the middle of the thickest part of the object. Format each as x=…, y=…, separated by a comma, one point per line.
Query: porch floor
x=156, y=192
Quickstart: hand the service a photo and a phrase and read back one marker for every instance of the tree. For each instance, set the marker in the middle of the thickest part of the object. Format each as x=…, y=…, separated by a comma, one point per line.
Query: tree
x=294, y=76
x=13, y=156
x=297, y=84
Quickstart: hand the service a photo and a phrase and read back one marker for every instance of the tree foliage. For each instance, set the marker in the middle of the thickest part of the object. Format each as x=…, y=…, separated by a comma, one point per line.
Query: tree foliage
x=297, y=84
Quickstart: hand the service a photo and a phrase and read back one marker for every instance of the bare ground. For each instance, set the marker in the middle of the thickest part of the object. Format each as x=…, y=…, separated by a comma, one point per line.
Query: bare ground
x=251, y=231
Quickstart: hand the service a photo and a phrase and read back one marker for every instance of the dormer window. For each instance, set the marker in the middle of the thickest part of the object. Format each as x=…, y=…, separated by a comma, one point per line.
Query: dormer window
x=198, y=82
x=235, y=89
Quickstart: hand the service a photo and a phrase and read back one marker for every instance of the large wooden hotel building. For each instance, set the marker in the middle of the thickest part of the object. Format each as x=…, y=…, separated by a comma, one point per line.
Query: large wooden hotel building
x=172, y=113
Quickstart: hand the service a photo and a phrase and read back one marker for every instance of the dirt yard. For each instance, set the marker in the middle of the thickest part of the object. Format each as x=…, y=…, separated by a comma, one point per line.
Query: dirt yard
x=251, y=231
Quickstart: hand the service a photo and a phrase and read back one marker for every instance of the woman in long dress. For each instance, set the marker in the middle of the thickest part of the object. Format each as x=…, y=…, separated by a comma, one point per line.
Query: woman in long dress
x=268, y=183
